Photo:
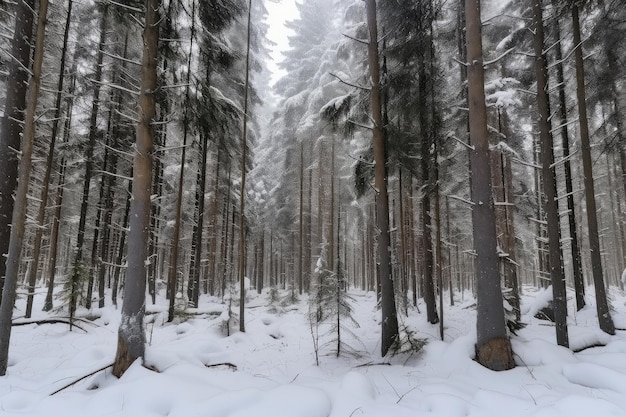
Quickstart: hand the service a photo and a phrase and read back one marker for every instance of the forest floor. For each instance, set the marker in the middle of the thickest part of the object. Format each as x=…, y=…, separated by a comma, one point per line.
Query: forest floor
x=194, y=369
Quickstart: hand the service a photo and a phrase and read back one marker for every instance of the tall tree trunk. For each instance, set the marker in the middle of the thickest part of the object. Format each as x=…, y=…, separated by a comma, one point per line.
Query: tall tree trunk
x=131, y=337
x=388, y=305
x=242, y=195
x=32, y=273
x=172, y=273
x=493, y=348
x=577, y=267
x=20, y=208
x=301, y=222
x=602, y=305
x=12, y=122
x=93, y=128
x=557, y=274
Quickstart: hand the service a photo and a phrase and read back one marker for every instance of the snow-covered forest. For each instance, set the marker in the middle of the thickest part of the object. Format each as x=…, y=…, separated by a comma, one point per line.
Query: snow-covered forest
x=415, y=195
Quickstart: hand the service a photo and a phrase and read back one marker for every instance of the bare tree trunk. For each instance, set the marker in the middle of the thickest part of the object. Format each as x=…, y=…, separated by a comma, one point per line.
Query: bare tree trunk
x=577, y=267
x=602, y=305
x=131, y=337
x=493, y=348
x=78, y=259
x=388, y=304
x=12, y=122
x=172, y=275
x=301, y=222
x=550, y=200
x=549, y=181
x=19, y=212
x=242, y=195
x=32, y=273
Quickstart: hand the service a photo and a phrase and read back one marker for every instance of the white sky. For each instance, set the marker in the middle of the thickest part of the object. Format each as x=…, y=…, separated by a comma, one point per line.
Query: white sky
x=278, y=13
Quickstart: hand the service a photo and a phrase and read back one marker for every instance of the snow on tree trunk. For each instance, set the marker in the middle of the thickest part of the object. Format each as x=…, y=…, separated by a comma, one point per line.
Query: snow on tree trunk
x=493, y=348
x=131, y=336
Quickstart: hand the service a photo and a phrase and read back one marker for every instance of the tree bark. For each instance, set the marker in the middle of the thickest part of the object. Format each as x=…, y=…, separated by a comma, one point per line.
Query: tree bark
x=577, y=267
x=16, y=240
x=557, y=273
x=242, y=193
x=131, y=336
x=12, y=123
x=32, y=273
x=602, y=305
x=388, y=305
x=493, y=348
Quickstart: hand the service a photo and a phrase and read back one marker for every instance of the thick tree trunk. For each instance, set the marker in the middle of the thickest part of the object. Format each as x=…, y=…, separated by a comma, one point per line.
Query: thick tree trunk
x=602, y=305
x=12, y=122
x=388, y=304
x=131, y=336
x=493, y=348
x=557, y=273
x=549, y=181
x=16, y=240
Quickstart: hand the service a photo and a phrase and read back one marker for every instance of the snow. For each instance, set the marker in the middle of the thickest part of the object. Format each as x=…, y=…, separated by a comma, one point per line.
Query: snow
x=193, y=369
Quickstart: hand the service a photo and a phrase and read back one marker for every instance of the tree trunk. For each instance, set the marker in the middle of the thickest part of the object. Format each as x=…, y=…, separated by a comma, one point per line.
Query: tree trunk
x=131, y=336
x=242, y=195
x=78, y=259
x=12, y=122
x=577, y=267
x=557, y=274
x=172, y=275
x=604, y=314
x=388, y=304
x=32, y=273
x=493, y=348
x=20, y=208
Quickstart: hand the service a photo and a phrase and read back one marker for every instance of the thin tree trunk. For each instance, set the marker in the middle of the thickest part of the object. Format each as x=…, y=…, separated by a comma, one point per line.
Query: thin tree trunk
x=242, y=195
x=602, y=305
x=388, y=304
x=32, y=276
x=131, y=336
x=78, y=261
x=19, y=212
x=301, y=222
x=493, y=348
x=172, y=275
x=577, y=267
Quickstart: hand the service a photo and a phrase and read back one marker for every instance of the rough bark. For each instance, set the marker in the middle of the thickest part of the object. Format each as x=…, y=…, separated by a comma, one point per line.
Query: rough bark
x=131, y=336
x=602, y=305
x=388, y=305
x=557, y=274
x=493, y=349
x=12, y=123
x=16, y=240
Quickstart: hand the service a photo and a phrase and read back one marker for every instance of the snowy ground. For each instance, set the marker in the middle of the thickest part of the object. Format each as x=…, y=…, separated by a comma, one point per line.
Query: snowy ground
x=270, y=370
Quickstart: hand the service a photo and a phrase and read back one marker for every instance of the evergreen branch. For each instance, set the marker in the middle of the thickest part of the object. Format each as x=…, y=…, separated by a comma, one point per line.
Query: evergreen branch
x=349, y=83
x=361, y=41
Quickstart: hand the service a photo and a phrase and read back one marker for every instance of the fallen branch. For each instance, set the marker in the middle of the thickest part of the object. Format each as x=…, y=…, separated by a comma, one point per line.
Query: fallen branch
x=47, y=321
x=227, y=364
x=373, y=364
x=81, y=378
